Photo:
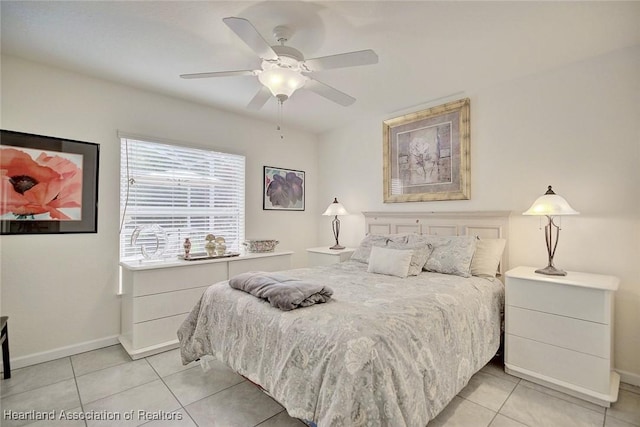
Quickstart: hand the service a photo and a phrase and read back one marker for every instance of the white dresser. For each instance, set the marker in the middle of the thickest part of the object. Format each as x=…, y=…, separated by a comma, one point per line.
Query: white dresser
x=157, y=296
x=325, y=256
x=559, y=332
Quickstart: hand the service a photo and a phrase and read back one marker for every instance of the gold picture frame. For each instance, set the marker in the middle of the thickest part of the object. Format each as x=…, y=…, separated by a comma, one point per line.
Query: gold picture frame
x=426, y=155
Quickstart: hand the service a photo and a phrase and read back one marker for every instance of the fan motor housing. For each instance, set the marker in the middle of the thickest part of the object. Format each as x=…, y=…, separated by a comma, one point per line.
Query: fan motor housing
x=288, y=52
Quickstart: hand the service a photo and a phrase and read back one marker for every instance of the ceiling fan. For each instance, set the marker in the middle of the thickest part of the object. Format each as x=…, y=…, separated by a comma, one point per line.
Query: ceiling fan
x=284, y=69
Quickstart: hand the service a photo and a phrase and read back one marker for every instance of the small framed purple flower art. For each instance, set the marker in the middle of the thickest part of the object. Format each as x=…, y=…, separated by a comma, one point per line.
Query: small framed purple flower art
x=283, y=189
x=47, y=185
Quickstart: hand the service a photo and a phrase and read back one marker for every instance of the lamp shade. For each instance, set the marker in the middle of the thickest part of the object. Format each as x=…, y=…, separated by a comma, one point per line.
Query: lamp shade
x=335, y=208
x=550, y=204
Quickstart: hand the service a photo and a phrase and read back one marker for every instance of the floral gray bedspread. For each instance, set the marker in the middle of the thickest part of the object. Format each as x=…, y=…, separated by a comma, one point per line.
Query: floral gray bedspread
x=383, y=351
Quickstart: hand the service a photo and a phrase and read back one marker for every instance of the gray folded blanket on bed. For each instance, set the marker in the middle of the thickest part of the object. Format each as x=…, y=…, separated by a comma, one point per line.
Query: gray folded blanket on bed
x=281, y=291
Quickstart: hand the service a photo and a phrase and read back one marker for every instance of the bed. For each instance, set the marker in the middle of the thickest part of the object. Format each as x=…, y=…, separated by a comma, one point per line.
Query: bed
x=384, y=351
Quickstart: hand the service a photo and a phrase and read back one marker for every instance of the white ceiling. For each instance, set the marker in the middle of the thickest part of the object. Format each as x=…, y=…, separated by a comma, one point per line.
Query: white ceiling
x=427, y=50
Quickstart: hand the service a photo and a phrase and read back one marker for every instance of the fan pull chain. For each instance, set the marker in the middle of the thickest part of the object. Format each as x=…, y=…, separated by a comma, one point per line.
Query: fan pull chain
x=279, y=127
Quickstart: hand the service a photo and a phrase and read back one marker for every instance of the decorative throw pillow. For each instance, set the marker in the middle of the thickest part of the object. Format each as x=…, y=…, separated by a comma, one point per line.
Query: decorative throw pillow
x=392, y=262
x=451, y=254
x=487, y=257
x=421, y=252
x=362, y=252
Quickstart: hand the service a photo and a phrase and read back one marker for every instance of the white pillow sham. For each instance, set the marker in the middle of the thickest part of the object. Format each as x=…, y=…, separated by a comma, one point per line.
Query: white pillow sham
x=487, y=257
x=392, y=262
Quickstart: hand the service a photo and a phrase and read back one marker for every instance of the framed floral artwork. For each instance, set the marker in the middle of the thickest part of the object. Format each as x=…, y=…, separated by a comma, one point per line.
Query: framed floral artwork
x=49, y=185
x=426, y=155
x=283, y=189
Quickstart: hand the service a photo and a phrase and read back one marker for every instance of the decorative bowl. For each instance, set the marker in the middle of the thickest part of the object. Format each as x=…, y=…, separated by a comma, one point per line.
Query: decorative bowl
x=260, y=245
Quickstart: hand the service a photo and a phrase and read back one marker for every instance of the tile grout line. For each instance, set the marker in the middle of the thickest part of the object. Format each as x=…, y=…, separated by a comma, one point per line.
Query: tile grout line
x=118, y=392
x=606, y=415
x=485, y=407
x=106, y=367
x=561, y=396
x=35, y=388
x=634, y=391
x=45, y=385
x=499, y=376
x=75, y=381
x=273, y=416
x=219, y=391
x=170, y=391
x=505, y=402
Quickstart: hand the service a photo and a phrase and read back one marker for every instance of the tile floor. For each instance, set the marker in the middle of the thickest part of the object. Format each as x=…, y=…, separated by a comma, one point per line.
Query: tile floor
x=106, y=382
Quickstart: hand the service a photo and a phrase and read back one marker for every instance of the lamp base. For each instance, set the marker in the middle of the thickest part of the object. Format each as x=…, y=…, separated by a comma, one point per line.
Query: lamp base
x=336, y=247
x=551, y=271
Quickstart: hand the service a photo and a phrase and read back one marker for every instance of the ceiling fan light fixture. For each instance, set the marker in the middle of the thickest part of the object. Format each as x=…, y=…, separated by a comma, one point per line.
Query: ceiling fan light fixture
x=282, y=82
x=284, y=68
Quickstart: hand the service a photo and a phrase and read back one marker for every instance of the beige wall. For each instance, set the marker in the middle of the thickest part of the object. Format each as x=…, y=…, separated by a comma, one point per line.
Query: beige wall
x=60, y=290
x=576, y=128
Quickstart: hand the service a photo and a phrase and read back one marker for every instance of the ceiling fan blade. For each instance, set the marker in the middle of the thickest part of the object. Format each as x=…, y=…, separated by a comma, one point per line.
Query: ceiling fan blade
x=259, y=99
x=248, y=33
x=350, y=59
x=218, y=74
x=329, y=92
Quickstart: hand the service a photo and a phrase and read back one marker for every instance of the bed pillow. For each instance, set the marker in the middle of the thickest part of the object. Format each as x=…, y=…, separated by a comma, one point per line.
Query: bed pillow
x=451, y=254
x=421, y=252
x=487, y=257
x=392, y=262
x=362, y=252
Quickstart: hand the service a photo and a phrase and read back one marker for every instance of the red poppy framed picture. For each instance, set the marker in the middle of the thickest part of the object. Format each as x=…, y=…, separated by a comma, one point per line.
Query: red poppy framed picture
x=49, y=185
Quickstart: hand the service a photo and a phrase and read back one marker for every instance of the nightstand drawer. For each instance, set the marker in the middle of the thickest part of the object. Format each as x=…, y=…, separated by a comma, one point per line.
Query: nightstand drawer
x=566, y=300
x=573, y=334
x=584, y=370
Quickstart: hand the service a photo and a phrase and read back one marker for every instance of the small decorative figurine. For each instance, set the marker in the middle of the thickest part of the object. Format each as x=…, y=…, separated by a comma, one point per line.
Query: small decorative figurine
x=187, y=247
x=221, y=246
x=210, y=246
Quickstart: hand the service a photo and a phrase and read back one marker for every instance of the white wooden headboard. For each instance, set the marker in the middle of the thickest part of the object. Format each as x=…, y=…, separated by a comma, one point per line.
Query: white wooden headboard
x=485, y=224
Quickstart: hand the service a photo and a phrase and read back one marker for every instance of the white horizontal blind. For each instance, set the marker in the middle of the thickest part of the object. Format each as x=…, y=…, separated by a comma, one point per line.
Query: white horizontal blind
x=188, y=192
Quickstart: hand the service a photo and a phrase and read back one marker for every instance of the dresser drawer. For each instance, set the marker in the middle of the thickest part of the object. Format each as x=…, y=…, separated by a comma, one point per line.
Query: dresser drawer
x=167, y=304
x=572, y=301
x=573, y=334
x=171, y=279
x=157, y=332
x=584, y=370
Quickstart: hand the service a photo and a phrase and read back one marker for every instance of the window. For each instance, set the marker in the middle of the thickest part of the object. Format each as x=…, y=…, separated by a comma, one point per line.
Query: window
x=188, y=192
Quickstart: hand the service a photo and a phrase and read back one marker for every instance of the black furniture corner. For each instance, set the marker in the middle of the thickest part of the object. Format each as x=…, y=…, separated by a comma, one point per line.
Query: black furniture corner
x=6, y=365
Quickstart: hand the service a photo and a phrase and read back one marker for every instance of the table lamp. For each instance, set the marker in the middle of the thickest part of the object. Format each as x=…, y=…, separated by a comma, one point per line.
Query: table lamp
x=335, y=209
x=550, y=205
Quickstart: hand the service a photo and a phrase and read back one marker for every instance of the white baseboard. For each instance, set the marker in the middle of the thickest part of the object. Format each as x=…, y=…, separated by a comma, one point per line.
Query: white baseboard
x=57, y=353
x=629, y=377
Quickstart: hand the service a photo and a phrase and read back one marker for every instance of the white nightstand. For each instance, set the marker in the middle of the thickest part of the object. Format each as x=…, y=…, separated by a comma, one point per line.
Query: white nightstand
x=325, y=256
x=559, y=332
